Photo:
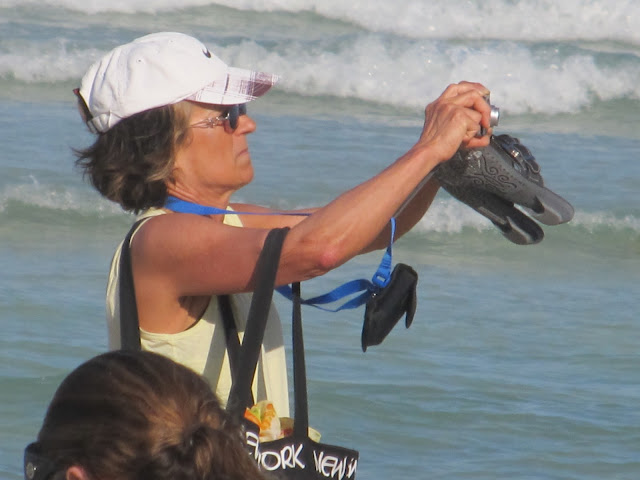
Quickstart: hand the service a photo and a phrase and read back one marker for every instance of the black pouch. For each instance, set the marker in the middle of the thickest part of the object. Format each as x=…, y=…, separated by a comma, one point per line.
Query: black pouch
x=387, y=306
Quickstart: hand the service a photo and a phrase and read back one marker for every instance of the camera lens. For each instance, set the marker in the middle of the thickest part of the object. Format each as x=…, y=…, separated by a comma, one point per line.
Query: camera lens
x=495, y=116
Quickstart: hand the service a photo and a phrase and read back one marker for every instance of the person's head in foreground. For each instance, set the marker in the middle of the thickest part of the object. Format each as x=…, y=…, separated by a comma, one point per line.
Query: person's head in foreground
x=167, y=113
x=135, y=416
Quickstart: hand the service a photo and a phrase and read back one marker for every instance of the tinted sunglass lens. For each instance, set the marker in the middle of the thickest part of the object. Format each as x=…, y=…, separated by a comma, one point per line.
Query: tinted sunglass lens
x=233, y=116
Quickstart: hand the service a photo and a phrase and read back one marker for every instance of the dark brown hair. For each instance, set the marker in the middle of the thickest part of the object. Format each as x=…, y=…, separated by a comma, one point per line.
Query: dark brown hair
x=132, y=161
x=141, y=416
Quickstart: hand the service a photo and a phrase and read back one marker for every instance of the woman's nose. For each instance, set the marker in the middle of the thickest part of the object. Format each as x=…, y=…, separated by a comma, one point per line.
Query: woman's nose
x=246, y=124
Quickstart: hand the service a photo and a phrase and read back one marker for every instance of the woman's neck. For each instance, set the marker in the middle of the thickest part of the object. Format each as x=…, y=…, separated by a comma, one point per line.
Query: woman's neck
x=207, y=198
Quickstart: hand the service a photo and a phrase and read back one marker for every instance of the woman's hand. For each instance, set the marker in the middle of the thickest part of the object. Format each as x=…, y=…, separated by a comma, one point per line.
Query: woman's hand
x=454, y=119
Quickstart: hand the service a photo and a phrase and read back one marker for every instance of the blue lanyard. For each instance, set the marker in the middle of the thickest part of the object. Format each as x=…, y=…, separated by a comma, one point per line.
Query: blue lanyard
x=182, y=206
x=366, y=288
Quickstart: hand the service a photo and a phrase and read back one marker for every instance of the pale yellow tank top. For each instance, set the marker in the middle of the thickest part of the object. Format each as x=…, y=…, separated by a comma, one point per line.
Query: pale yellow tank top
x=206, y=340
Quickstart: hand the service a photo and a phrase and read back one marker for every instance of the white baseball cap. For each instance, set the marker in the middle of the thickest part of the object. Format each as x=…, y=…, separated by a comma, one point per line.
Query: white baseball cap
x=162, y=69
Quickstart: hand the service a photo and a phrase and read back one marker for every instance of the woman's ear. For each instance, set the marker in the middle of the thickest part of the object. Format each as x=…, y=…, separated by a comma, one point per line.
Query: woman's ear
x=76, y=473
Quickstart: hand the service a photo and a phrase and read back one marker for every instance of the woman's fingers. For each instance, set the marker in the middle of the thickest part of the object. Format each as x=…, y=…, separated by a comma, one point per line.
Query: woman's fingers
x=473, y=96
x=457, y=89
x=456, y=117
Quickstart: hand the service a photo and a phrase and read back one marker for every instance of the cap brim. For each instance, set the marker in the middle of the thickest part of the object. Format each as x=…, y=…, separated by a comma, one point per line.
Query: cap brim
x=239, y=86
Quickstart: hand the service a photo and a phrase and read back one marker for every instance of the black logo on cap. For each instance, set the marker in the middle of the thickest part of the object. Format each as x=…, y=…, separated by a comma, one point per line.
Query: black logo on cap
x=207, y=53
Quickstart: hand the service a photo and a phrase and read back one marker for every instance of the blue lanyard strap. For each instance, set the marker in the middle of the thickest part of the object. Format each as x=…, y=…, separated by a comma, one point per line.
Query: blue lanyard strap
x=182, y=206
x=365, y=287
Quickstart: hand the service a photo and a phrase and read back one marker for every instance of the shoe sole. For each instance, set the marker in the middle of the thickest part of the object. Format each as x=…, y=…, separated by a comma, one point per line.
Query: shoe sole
x=512, y=223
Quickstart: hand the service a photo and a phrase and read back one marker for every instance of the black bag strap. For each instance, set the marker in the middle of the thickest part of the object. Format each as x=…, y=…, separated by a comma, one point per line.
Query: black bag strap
x=230, y=332
x=266, y=269
x=301, y=405
x=254, y=333
x=129, y=325
x=232, y=341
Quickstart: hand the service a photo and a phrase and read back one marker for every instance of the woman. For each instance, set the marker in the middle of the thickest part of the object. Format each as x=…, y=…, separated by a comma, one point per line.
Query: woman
x=171, y=122
x=136, y=416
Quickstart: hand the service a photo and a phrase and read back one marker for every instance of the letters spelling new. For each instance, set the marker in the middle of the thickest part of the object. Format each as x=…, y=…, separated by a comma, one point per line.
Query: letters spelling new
x=330, y=466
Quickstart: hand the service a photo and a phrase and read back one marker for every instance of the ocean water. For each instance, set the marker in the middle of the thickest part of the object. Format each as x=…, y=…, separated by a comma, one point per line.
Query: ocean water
x=521, y=363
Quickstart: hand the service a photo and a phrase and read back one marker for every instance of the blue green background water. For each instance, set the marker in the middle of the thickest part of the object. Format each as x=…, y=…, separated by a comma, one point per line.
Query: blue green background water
x=522, y=362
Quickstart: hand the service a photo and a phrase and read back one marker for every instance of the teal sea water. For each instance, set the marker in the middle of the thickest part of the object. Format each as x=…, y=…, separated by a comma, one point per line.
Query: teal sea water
x=522, y=362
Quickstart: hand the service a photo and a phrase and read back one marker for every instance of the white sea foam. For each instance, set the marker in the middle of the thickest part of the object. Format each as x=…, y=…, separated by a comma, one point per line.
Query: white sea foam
x=480, y=19
x=41, y=195
x=43, y=62
x=451, y=216
x=446, y=215
x=594, y=221
x=539, y=56
x=101, y=6
x=371, y=68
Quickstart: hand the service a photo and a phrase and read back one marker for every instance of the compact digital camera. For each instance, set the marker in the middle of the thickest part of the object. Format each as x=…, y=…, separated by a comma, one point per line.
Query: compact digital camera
x=493, y=120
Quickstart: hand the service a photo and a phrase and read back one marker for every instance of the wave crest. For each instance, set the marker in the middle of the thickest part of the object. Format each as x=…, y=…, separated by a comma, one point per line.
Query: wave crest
x=531, y=20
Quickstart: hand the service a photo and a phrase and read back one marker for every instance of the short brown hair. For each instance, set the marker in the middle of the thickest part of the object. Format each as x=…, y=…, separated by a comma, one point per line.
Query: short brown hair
x=131, y=162
x=142, y=416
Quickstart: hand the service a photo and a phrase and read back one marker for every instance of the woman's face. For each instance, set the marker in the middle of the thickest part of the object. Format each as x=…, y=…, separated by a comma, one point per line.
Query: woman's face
x=215, y=159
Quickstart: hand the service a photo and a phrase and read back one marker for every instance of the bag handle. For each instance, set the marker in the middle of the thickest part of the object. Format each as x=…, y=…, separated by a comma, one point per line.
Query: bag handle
x=230, y=332
x=301, y=405
x=266, y=269
x=265, y=277
x=129, y=324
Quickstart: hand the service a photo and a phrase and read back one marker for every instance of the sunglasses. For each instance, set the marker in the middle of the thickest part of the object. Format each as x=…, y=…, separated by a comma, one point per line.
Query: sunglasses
x=36, y=465
x=230, y=116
